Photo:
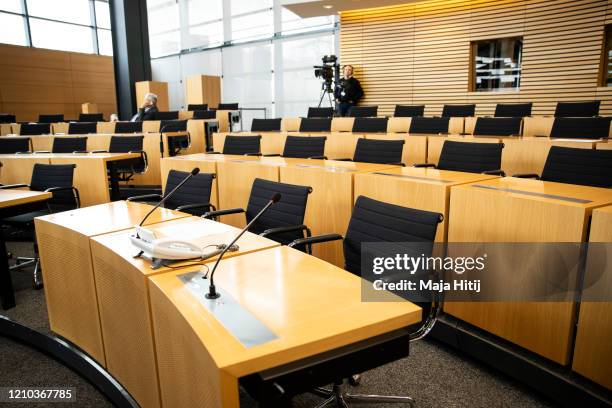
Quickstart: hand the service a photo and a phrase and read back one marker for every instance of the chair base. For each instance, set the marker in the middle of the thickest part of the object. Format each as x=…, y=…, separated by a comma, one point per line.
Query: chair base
x=22, y=262
x=339, y=398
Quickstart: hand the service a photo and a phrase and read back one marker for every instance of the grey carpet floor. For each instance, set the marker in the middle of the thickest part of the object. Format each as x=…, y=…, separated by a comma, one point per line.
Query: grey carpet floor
x=434, y=375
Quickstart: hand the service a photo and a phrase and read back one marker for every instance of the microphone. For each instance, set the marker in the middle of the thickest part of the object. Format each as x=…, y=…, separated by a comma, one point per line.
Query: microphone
x=195, y=171
x=212, y=290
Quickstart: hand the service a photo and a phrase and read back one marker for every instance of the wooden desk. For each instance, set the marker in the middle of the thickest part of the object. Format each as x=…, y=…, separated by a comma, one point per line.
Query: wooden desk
x=65, y=255
x=60, y=128
x=291, y=124
x=7, y=128
x=538, y=125
x=15, y=202
x=331, y=202
x=123, y=297
x=421, y=188
x=593, y=349
x=105, y=127
x=523, y=210
x=341, y=145
x=294, y=295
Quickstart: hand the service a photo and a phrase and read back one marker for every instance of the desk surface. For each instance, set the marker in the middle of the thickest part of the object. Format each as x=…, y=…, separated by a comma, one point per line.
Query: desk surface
x=12, y=197
x=98, y=156
x=430, y=175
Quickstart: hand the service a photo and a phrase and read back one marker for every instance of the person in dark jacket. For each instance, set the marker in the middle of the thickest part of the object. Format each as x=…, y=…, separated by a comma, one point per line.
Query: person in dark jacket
x=148, y=110
x=348, y=91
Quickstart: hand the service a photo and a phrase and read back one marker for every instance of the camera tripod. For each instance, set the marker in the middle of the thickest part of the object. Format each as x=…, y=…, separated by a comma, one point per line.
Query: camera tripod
x=326, y=89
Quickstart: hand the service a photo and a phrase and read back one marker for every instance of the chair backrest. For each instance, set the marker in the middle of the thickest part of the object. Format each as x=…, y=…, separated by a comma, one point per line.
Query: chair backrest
x=407, y=111
x=91, y=117
x=577, y=109
x=587, y=167
x=513, y=110
x=168, y=115
x=69, y=144
x=228, y=106
x=173, y=125
x=195, y=191
x=370, y=125
x=242, y=144
x=498, y=126
x=11, y=145
x=197, y=107
x=315, y=124
x=304, y=147
x=429, y=125
x=128, y=127
x=377, y=221
x=204, y=114
x=82, y=128
x=581, y=128
x=320, y=112
x=124, y=144
x=33, y=129
x=287, y=212
x=378, y=151
x=266, y=125
x=55, y=118
x=470, y=157
x=363, y=111
x=45, y=176
x=461, y=111
x=7, y=118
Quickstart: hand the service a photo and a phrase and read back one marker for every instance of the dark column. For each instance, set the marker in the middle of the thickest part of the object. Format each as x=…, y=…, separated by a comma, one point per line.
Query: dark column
x=130, y=51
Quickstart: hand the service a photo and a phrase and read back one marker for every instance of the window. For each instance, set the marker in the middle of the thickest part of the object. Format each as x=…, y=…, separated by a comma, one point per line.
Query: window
x=61, y=36
x=291, y=23
x=605, y=69
x=164, y=27
x=72, y=11
x=13, y=29
x=496, y=65
x=251, y=27
x=13, y=6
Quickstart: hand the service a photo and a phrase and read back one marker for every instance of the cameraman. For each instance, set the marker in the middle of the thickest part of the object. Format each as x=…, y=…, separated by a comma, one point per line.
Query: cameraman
x=348, y=92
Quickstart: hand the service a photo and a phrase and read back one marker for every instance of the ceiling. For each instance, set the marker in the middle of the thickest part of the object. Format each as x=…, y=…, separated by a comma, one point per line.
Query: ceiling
x=313, y=8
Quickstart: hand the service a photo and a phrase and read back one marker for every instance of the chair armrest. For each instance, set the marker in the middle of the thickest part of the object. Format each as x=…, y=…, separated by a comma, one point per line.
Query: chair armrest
x=271, y=155
x=527, y=175
x=218, y=213
x=195, y=205
x=77, y=196
x=499, y=172
x=316, y=240
x=318, y=157
x=280, y=230
x=398, y=164
x=252, y=154
x=41, y=151
x=81, y=151
x=343, y=159
x=23, y=152
x=424, y=165
x=9, y=186
x=145, y=197
x=99, y=151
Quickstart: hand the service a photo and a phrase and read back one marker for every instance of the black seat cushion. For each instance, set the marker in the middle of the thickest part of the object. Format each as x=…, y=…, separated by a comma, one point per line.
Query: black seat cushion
x=69, y=144
x=228, y=106
x=128, y=127
x=462, y=111
x=581, y=128
x=91, y=117
x=378, y=151
x=204, y=114
x=34, y=129
x=470, y=157
x=173, y=125
x=197, y=107
x=409, y=110
x=196, y=190
x=167, y=115
x=320, y=112
x=242, y=144
x=11, y=145
x=363, y=111
x=429, y=125
x=370, y=125
x=577, y=109
x=266, y=125
x=7, y=118
x=53, y=118
x=498, y=126
x=82, y=128
x=304, y=147
x=315, y=124
x=586, y=167
x=513, y=110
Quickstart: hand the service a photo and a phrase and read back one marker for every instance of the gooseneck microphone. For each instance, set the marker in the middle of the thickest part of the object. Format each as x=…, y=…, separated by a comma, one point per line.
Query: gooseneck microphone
x=195, y=171
x=212, y=290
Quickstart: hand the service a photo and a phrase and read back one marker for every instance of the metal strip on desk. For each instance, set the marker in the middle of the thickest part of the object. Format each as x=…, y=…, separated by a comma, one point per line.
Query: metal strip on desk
x=241, y=323
x=415, y=177
x=331, y=168
x=531, y=193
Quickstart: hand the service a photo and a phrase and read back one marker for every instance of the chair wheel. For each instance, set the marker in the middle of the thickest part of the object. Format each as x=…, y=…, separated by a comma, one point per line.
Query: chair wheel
x=37, y=285
x=355, y=380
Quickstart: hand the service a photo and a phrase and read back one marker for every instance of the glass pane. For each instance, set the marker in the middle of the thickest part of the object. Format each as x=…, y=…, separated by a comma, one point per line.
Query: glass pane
x=292, y=23
x=252, y=26
x=73, y=11
x=498, y=64
x=11, y=5
x=165, y=43
x=306, y=52
x=204, y=11
x=105, y=42
x=204, y=35
x=246, y=6
x=60, y=36
x=102, y=14
x=163, y=16
x=13, y=29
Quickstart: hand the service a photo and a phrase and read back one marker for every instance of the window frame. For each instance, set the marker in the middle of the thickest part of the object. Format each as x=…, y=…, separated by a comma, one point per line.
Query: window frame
x=472, y=68
x=606, y=47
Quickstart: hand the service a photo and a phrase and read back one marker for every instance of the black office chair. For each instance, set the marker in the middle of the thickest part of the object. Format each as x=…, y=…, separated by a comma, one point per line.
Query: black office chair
x=56, y=179
x=587, y=167
x=581, y=128
x=7, y=118
x=498, y=126
x=126, y=169
x=67, y=145
x=320, y=112
x=176, y=143
x=305, y=147
x=513, y=110
x=379, y=222
x=128, y=127
x=577, y=109
x=266, y=125
x=197, y=107
x=244, y=145
x=55, y=118
x=91, y=117
x=228, y=106
x=409, y=111
x=193, y=197
x=432, y=126
x=284, y=222
x=370, y=125
x=363, y=111
x=167, y=115
x=460, y=111
x=204, y=114
x=469, y=157
x=378, y=151
x=315, y=124
x=34, y=129
x=12, y=145
x=82, y=128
